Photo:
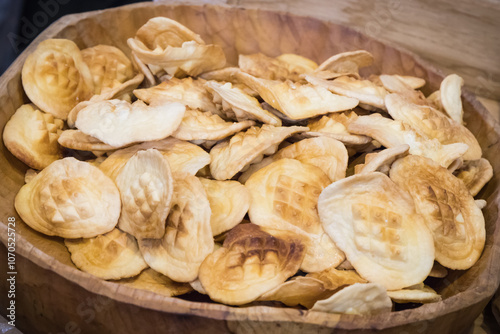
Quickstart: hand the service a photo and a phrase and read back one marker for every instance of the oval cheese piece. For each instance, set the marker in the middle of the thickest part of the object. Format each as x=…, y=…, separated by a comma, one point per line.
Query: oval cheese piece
x=70, y=199
x=298, y=290
x=455, y=220
x=375, y=223
x=475, y=174
x=232, y=156
x=31, y=136
x=151, y=280
x=146, y=187
x=188, y=236
x=285, y=196
x=429, y=122
x=229, y=202
x=119, y=123
x=113, y=255
x=56, y=78
x=250, y=263
x=182, y=156
x=108, y=65
x=328, y=154
x=359, y=298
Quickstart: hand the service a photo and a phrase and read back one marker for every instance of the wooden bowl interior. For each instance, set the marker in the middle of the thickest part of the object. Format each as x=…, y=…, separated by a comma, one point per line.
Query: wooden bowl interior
x=241, y=31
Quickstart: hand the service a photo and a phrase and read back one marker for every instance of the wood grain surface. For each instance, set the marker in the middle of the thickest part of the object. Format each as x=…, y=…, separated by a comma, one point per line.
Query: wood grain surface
x=56, y=296
x=457, y=36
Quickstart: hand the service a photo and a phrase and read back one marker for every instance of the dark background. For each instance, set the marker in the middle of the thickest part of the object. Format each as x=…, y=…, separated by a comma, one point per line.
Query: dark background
x=22, y=20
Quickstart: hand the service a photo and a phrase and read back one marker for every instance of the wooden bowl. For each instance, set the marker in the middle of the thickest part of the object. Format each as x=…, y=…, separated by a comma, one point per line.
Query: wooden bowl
x=53, y=296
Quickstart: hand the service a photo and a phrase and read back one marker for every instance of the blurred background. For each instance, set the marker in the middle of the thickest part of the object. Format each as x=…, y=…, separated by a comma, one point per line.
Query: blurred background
x=22, y=20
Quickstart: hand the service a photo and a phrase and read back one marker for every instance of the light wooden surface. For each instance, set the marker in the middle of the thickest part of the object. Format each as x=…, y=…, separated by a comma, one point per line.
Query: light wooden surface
x=493, y=106
x=44, y=263
x=457, y=36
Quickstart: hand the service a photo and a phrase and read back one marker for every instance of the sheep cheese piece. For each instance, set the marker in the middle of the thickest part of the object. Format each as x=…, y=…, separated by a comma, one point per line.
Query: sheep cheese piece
x=151, y=280
x=250, y=262
x=173, y=48
x=285, y=196
x=113, y=255
x=146, y=188
x=188, y=235
x=108, y=65
x=450, y=212
x=56, y=78
x=182, y=156
x=433, y=124
x=375, y=224
x=119, y=123
x=326, y=153
x=31, y=135
x=70, y=199
x=229, y=202
x=232, y=156
x=296, y=100
x=359, y=298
